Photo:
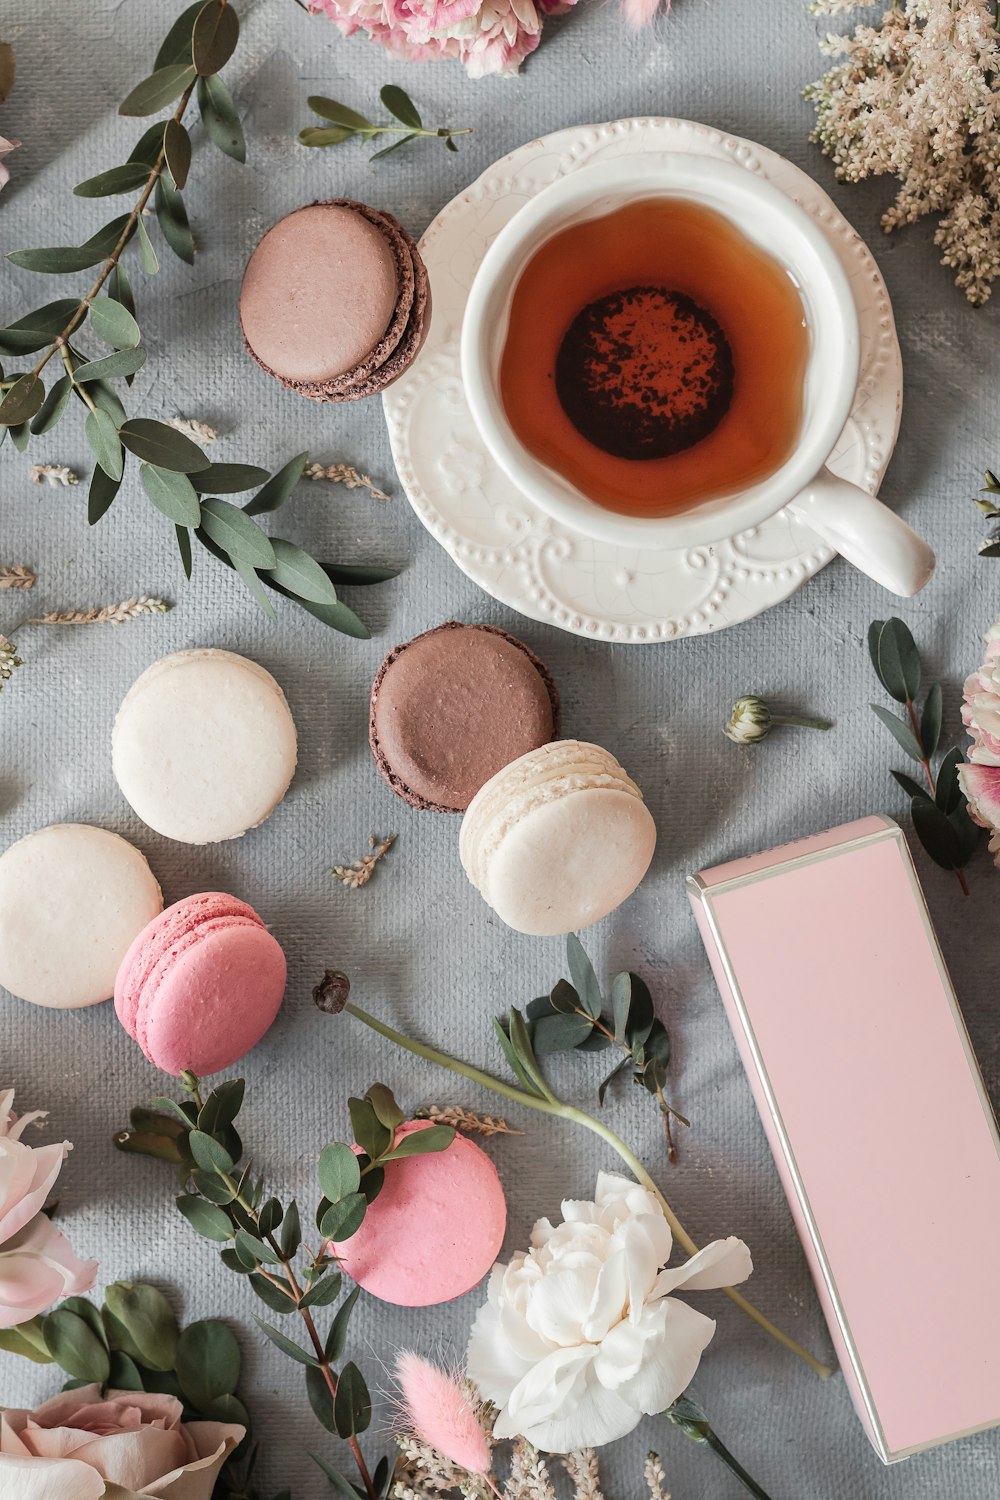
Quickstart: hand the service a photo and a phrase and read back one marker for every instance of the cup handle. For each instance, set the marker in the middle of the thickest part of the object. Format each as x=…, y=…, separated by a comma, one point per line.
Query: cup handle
x=866, y=532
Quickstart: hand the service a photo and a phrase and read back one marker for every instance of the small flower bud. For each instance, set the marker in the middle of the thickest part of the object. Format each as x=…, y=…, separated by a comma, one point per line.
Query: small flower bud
x=749, y=721
x=332, y=992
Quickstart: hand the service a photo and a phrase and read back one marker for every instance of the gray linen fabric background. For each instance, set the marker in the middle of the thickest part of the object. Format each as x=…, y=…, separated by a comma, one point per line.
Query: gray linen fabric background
x=421, y=948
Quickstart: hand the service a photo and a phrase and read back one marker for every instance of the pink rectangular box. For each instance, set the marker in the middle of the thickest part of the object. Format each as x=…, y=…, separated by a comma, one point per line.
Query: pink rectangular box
x=875, y=1109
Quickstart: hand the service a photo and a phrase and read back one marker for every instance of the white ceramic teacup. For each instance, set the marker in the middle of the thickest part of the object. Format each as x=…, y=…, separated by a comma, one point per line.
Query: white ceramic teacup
x=860, y=527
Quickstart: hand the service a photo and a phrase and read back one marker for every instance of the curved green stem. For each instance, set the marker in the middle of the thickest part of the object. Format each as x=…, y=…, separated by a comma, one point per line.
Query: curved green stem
x=597, y=1127
x=795, y=721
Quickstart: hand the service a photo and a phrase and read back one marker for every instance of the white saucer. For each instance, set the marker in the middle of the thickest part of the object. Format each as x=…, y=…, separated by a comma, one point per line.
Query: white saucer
x=544, y=569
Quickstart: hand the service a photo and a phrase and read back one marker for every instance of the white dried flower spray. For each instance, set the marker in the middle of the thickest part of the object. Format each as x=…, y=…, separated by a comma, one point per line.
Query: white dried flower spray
x=918, y=98
x=56, y=476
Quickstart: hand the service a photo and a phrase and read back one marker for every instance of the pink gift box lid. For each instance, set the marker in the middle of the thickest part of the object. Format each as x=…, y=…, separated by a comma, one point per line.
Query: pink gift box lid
x=877, y=1115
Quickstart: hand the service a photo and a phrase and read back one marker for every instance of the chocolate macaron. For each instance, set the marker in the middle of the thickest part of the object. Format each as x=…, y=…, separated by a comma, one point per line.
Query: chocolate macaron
x=335, y=301
x=453, y=707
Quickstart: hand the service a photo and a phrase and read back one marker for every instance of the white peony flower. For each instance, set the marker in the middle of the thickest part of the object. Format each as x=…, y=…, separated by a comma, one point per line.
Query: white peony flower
x=581, y=1335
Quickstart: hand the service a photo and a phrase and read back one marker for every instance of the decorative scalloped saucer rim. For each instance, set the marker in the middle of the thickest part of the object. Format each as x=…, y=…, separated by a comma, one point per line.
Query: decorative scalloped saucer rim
x=546, y=570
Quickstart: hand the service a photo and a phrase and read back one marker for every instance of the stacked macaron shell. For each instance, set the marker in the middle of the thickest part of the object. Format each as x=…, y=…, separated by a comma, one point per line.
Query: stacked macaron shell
x=335, y=301
x=201, y=984
x=435, y=1229
x=452, y=707
x=204, y=746
x=72, y=899
x=557, y=839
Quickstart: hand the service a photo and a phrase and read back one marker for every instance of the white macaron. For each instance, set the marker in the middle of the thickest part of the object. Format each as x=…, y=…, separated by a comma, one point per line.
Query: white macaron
x=204, y=746
x=557, y=839
x=73, y=898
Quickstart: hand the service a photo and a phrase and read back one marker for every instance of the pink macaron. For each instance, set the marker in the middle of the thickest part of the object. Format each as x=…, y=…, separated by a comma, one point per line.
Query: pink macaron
x=435, y=1229
x=201, y=984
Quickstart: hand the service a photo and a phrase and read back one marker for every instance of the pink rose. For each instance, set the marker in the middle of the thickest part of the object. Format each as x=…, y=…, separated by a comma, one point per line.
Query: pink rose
x=37, y=1263
x=79, y=1443
x=486, y=36
x=980, y=779
x=37, y=1267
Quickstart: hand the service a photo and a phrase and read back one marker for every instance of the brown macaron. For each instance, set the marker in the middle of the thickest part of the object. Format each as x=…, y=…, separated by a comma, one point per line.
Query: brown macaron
x=335, y=301
x=454, y=706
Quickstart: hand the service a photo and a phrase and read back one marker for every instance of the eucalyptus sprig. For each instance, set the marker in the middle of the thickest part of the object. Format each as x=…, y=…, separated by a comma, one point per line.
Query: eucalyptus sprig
x=939, y=810
x=134, y=1342
x=175, y=473
x=575, y=1017
x=346, y=123
x=224, y=1201
x=988, y=501
x=534, y=1092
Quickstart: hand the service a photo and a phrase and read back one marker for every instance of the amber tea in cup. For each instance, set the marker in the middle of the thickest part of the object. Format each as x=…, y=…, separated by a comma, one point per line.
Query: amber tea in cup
x=655, y=357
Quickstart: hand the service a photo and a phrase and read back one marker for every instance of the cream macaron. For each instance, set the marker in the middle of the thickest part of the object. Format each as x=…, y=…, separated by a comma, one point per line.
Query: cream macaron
x=73, y=898
x=204, y=746
x=557, y=839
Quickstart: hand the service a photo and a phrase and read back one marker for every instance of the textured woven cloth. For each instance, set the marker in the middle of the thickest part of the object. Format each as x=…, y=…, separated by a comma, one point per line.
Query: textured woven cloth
x=418, y=943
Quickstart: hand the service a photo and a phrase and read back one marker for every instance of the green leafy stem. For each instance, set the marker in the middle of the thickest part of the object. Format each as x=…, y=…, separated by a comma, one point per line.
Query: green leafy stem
x=346, y=123
x=939, y=810
x=175, y=473
x=535, y=1093
x=224, y=1203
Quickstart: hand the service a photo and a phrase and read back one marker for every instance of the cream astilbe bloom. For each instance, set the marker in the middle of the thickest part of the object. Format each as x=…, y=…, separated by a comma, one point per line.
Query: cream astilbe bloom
x=581, y=1334
x=919, y=98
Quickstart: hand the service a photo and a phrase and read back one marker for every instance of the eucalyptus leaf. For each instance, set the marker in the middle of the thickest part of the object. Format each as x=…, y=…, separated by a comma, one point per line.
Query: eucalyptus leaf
x=156, y=443
x=560, y=1033
x=37, y=329
x=103, y=395
x=930, y=721
x=938, y=835
x=398, y=102
x=948, y=790
x=323, y=1292
x=621, y=1005
x=320, y=1398
x=218, y=114
x=177, y=150
x=895, y=658
x=337, y=113
x=910, y=787
x=404, y=140
x=336, y=1478
x=184, y=548
x=251, y=579
x=352, y=1407
x=158, y=90
x=564, y=998
x=149, y=145
x=344, y=1218
x=114, y=323
x=22, y=401
x=209, y=1153
x=106, y=240
x=75, y=1346
x=149, y=1321
x=124, y=1374
x=422, y=1143
x=20, y=435
x=213, y=1187
x=521, y=1042
x=581, y=972
x=278, y=488
x=339, y=1172
x=228, y=479
x=111, y=367
x=214, y=36
x=206, y=1219
x=324, y=135
x=641, y=1012
x=147, y=252
x=26, y=1340
x=208, y=1362
x=171, y=493
x=56, y=260
x=103, y=491
x=256, y=1247
x=222, y=1106
x=164, y=1105
x=606, y=1082
x=53, y=407
x=101, y=435
x=900, y=731
x=383, y=1102
x=127, y=178
x=370, y=1133
x=239, y=536
x=336, y=1341
x=291, y=1231
x=300, y=574
x=513, y=1060
x=176, y=46
x=171, y=215
x=272, y=1296
x=286, y=1345
x=337, y=616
